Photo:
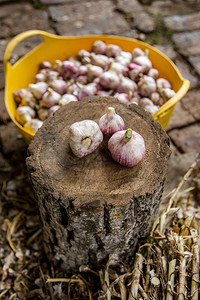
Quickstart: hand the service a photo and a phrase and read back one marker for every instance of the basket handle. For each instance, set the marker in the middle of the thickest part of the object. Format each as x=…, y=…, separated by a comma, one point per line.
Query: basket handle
x=19, y=38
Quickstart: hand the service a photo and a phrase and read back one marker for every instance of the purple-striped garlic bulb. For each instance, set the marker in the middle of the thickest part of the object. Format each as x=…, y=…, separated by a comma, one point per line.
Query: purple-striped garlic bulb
x=127, y=147
x=111, y=122
x=84, y=137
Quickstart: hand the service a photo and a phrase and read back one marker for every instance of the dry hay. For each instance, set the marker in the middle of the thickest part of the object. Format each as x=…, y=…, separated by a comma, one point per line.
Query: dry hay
x=166, y=265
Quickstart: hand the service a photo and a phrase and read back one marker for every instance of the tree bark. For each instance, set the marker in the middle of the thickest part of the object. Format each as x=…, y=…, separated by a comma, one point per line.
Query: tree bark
x=92, y=207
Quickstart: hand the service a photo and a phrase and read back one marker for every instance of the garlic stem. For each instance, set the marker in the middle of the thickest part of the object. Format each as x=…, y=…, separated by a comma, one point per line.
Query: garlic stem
x=110, y=111
x=128, y=133
x=86, y=141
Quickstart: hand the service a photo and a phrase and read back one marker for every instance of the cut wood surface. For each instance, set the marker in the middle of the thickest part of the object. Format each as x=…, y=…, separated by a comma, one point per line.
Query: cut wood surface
x=91, y=207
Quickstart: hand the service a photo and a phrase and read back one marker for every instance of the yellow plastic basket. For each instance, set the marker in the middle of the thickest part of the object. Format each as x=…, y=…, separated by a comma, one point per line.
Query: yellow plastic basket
x=55, y=47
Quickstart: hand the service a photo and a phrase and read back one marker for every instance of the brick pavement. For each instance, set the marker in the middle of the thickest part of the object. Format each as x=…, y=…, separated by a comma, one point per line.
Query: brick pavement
x=174, y=29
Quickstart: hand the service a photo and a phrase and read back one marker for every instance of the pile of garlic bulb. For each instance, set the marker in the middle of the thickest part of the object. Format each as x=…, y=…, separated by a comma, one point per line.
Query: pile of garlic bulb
x=105, y=71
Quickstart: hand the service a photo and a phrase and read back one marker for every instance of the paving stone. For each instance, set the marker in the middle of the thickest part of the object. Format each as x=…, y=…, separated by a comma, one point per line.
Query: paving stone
x=183, y=23
x=180, y=117
x=129, y=7
x=9, y=141
x=82, y=18
x=4, y=116
x=2, y=81
x=143, y=21
x=168, y=50
x=195, y=62
x=186, y=72
x=188, y=43
x=24, y=17
x=3, y=44
x=169, y=8
x=187, y=139
x=53, y=2
x=191, y=102
x=132, y=33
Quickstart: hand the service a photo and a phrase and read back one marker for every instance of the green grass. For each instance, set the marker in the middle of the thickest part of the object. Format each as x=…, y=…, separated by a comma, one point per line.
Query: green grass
x=161, y=34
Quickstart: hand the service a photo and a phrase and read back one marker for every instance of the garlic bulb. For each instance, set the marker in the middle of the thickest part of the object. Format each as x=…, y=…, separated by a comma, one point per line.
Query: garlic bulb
x=43, y=113
x=38, y=89
x=45, y=65
x=137, y=52
x=84, y=137
x=155, y=98
x=146, y=86
x=109, y=80
x=87, y=90
x=153, y=73
x=113, y=50
x=143, y=60
x=24, y=97
x=122, y=98
x=33, y=125
x=40, y=77
x=67, y=98
x=58, y=85
x=50, y=98
x=126, y=85
x=162, y=83
x=118, y=68
x=127, y=147
x=24, y=114
x=99, y=60
x=94, y=71
x=99, y=47
x=53, y=109
x=167, y=93
x=111, y=122
x=151, y=108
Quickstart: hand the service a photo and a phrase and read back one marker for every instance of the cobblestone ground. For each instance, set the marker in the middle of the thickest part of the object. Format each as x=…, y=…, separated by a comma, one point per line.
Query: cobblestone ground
x=173, y=26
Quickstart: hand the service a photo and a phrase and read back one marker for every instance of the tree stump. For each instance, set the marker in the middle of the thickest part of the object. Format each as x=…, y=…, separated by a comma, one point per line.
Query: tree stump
x=91, y=207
